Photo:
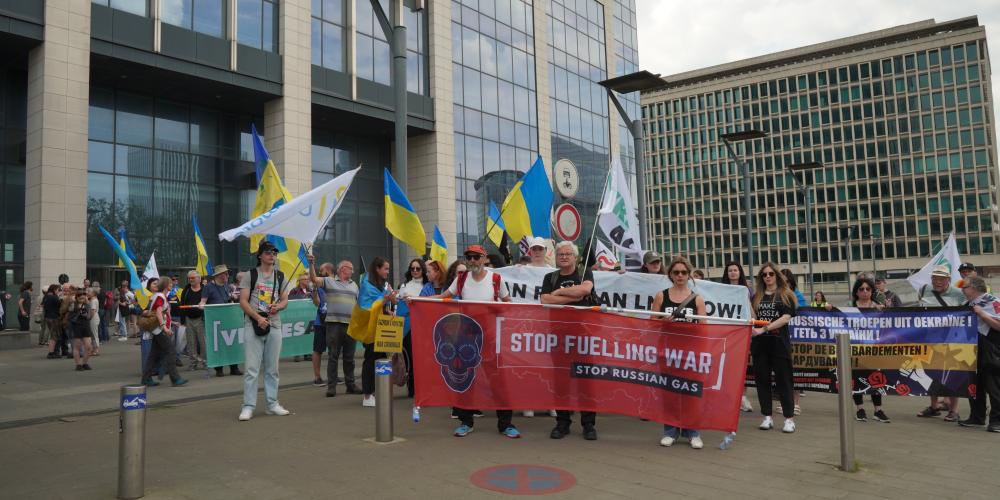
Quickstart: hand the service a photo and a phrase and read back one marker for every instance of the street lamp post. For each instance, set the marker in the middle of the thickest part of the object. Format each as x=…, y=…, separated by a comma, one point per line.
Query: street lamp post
x=728, y=139
x=635, y=82
x=847, y=250
x=803, y=189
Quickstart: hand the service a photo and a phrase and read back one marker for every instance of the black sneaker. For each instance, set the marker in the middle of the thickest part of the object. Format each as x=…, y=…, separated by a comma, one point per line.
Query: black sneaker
x=929, y=412
x=87, y=367
x=559, y=432
x=477, y=413
x=235, y=372
x=882, y=417
x=971, y=422
x=318, y=382
x=353, y=389
x=861, y=416
x=219, y=372
x=454, y=413
x=331, y=394
x=79, y=368
x=993, y=428
x=590, y=434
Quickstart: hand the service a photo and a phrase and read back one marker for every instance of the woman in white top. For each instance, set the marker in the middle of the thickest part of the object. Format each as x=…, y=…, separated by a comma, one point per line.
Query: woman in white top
x=95, y=319
x=416, y=275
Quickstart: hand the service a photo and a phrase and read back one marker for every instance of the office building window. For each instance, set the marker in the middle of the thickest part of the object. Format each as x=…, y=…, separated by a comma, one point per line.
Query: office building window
x=329, y=33
x=373, y=58
x=137, y=7
x=203, y=16
x=256, y=24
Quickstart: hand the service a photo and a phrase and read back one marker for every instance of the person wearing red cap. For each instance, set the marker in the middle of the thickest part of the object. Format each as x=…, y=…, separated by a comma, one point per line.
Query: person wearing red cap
x=478, y=283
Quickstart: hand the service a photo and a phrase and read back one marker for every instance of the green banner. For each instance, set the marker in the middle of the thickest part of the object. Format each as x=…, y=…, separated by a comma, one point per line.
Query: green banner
x=225, y=329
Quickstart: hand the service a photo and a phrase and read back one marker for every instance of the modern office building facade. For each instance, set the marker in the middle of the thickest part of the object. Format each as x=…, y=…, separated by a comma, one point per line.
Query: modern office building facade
x=901, y=121
x=137, y=114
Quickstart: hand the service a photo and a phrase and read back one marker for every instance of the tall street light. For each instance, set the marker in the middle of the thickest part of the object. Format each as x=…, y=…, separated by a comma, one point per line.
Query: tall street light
x=798, y=175
x=635, y=82
x=846, y=231
x=728, y=139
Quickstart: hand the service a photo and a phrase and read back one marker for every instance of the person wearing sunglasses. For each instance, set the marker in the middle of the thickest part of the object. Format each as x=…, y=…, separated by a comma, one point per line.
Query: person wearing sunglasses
x=478, y=283
x=862, y=297
x=566, y=286
x=416, y=277
x=681, y=303
x=771, y=346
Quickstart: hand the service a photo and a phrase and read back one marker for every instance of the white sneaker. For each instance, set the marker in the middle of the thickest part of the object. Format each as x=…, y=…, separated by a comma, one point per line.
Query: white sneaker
x=666, y=441
x=277, y=410
x=553, y=414
x=789, y=426
x=697, y=443
x=529, y=413
x=368, y=401
x=767, y=424
x=246, y=414
x=745, y=405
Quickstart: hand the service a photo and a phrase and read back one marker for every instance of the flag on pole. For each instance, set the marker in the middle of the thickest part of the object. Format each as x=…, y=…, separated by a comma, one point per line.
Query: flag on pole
x=204, y=266
x=142, y=295
x=126, y=246
x=400, y=218
x=302, y=218
x=527, y=210
x=271, y=194
x=617, y=217
x=494, y=225
x=119, y=249
x=605, y=258
x=947, y=256
x=439, y=248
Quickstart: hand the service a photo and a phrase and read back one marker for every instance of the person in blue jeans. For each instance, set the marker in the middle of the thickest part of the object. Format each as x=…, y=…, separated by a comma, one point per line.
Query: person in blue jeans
x=680, y=303
x=262, y=296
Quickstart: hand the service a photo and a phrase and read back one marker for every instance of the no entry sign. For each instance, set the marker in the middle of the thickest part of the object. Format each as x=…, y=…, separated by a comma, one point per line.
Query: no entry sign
x=568, y=223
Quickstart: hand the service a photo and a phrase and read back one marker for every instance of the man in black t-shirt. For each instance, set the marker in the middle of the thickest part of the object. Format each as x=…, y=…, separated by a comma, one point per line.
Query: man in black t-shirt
x=565, y=286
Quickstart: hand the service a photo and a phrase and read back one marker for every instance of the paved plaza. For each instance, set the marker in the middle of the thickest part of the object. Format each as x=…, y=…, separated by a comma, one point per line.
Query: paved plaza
x=196, y=448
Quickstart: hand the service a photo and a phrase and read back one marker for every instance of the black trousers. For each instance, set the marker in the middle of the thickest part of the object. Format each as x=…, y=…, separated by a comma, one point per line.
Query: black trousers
x=876, y=399
x=161, y=353
x=987, y=385
x=505, y=418
x=770, y=354
x=368, y=368
x=24, y=322
x=564, y=419
x=337, y=343
x=408, y=354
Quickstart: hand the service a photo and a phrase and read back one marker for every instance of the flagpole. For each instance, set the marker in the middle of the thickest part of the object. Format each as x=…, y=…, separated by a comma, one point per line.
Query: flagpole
x=597, y=217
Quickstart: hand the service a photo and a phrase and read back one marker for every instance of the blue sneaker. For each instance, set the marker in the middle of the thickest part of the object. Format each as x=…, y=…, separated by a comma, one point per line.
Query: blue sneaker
x=462, y=431
x=512, y=432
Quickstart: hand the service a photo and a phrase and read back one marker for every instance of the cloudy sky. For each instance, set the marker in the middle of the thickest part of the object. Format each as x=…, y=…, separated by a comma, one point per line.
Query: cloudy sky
x=677, y=35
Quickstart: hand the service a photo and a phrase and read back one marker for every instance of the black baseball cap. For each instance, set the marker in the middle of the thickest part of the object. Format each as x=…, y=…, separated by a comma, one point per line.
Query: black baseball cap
x=967, y=266
x=266, y=246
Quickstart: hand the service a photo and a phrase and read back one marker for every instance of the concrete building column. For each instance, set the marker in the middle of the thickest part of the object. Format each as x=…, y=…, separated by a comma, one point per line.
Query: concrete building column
x=544, y=107
x=431, y=157
x=288, y=119
x=55, y=200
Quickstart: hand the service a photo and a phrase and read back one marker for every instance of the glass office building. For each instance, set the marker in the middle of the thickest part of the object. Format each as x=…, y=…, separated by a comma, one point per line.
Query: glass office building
x=901, y=121
x=139, y=117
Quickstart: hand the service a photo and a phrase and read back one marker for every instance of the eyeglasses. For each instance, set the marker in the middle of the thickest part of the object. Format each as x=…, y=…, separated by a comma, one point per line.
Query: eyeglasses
x=415, y=268
x=679, y=272
x=473, y=256
x=767, y=274
x=565, y=255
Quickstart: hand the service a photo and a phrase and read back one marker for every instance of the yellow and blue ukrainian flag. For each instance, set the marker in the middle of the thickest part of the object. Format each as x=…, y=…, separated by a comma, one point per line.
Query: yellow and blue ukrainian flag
x=126, y=247
x=364, y=315
x=528, y=207
x=204, y=266
x=271, y=193
x=119, y=248
x=439, y=249
x=400, y=218
x=494, y=225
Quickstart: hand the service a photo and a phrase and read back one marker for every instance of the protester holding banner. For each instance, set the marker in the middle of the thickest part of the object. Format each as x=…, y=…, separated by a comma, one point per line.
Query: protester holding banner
x=480, y=284
x=940, y=294
x=193, y=318
x=217, y=292
x=735, y=276
x=652, y=263
x=416, y=277
x=376, y=296
x=565, y=286
x=819, y=300
x=262, y=297
x=161, y=352
x=987, y=308
x=341, y=294
x=771, y=347
x=680, y=303
x=537, y=250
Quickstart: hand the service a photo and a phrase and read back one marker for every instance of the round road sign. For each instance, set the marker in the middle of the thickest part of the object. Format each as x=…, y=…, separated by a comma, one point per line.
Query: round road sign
x=521, y=479
x=566, y=178
x=568, y=222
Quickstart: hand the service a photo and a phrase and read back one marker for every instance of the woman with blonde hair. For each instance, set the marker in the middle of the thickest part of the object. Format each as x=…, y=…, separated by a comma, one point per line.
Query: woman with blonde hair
x=771, y=346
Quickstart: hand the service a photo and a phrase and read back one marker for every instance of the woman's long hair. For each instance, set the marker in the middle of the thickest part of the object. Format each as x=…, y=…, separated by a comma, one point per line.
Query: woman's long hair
x=409, y=274
x=857, y=285
x=452, y=272
x=27, y=286
x=725, y=274
x=442, y=276
x=373, y=275
x=783, y=293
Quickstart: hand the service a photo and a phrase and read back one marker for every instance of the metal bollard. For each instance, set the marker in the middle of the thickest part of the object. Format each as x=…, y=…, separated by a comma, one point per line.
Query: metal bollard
x=383, y=401
x=845, y=378
x=132, y=442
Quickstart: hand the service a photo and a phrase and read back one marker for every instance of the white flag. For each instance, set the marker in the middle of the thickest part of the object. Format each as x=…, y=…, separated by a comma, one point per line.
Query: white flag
x=947, y=256
x=606, y=259
x=617, y=217
x=303, y=217
x=150, y=271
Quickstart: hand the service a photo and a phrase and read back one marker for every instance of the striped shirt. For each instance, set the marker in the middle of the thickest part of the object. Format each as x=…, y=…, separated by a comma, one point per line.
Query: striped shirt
x=340, y=299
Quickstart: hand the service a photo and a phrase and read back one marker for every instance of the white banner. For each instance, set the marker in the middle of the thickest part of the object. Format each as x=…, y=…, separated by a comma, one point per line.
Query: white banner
x=302, y=218
x=630, y=290
x=947, y=256
x=616, y=217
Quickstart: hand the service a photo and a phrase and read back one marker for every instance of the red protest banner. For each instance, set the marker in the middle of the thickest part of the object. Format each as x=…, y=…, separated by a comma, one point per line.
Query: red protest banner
x=509, y=356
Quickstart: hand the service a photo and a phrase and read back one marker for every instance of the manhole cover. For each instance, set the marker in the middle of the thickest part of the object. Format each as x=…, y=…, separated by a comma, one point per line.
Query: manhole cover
x=520, y=479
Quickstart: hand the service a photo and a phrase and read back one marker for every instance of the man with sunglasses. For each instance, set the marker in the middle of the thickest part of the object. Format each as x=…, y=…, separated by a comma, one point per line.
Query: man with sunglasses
x=566, y=286
x=480, y=284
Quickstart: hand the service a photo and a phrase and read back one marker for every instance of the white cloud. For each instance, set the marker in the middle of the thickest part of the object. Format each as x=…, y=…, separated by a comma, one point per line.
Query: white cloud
x=677, y=36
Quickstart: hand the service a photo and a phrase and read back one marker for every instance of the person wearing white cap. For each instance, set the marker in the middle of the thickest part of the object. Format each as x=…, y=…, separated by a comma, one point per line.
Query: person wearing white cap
x=537, y=250
x=941, y=294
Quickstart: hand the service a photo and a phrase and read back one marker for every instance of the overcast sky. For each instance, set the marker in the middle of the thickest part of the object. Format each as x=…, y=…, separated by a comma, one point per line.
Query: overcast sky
x=677, y=35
